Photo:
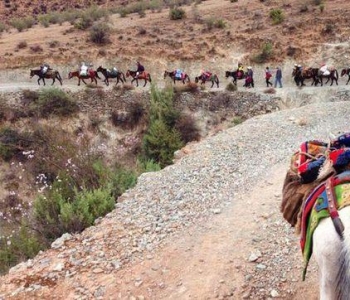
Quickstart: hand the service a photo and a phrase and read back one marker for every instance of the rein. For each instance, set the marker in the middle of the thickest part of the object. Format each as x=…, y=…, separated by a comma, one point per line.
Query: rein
x=332, y=209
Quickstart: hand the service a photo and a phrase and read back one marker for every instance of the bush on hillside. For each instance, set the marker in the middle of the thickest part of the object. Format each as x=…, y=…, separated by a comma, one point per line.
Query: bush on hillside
x=177, y=13
x=100, y=33
x=277, y=16
x=13, y=143
x=53, y=101
x=265, y=54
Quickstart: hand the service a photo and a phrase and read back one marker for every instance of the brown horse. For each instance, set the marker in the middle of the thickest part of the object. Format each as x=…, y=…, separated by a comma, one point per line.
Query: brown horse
x=53, y=74
x=346, y=72
x=184, y=77
x=110, y=74
x=143, y=75
x=92, y=74
x=300, y=75
x=203, y=78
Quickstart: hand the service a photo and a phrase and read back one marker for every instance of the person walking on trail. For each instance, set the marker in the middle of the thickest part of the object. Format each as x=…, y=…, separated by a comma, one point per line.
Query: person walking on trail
x=268, y=75
x=278, y=77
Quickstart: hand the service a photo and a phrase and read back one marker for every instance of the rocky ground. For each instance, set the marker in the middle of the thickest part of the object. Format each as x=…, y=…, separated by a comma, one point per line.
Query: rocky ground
x=207, y=227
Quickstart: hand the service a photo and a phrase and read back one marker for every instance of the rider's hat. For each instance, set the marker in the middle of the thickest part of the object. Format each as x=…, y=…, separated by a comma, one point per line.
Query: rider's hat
x=249, y=67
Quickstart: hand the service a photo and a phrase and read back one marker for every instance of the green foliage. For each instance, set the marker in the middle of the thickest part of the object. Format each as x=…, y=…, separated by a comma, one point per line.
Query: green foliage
x=162, y=139
x=121, y=180
x=277, y=16
x=177, y=13
x=265, y=54
x=12, y=143
x=237, y=120
x=22, y=23
x=321, y=6
x=69, y=210
x=100, y=33
x=21, y=246
x=160, y=143
x=51, y=18
x=83, y=23
x=214, y=23
x=53, y=101
x=2, y=27
x=148, y=166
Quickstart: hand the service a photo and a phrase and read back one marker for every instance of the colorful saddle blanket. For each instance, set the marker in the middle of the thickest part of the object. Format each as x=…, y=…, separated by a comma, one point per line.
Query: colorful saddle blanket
x=316, y=208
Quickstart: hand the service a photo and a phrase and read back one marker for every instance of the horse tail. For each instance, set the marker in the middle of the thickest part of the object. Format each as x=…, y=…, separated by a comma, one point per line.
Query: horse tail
x=336, y=74
x=149, y=77
x=343, y=276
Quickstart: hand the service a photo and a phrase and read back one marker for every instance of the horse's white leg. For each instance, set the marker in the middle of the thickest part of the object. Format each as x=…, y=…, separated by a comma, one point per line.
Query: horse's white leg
x=326, y=249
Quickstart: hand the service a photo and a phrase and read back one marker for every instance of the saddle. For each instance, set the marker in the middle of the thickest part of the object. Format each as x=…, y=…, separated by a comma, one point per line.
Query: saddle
x=315, y=186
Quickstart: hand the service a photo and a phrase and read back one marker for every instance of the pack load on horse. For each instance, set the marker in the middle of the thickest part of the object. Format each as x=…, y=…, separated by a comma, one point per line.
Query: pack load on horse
x=111, y=73
x=316, y=201
x=328, y=72
x=44, y=68
x=177, y=75
x=207, y=76
x=84, y=72
x=83, y=69
x=46, y=72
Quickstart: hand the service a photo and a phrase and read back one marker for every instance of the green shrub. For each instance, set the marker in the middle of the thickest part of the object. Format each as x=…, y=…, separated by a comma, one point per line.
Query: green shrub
x=83, y=23
x=53, y=101
x=100, y=33
x=265, y=54
x=162, y=139
x=277, y=16
x=148, y=166
x=21, y=246
x=122, y=180
x=2, y=27
x=321, y=7
x=177, y=13
x=13, y=143
x=160, y=142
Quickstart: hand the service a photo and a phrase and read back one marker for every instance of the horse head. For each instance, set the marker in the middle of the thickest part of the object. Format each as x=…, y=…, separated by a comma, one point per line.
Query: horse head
x=32, y=73
x=343, y=72
x=99, y=69
x=127, y=74
x=196, y=79
x=166, y=73
x=70, y=75
x=228, y=74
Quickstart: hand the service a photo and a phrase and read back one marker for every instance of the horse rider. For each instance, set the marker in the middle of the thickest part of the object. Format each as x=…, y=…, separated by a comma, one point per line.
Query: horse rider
x=140, y=69
x=240, y=70
x=83, y=69
x=44, y=68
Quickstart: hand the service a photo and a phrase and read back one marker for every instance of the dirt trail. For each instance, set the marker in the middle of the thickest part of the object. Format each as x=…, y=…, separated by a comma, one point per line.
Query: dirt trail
x=211, y=261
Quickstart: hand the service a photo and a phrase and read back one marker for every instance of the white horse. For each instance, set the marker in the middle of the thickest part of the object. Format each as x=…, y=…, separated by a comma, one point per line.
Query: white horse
x=332, y=254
